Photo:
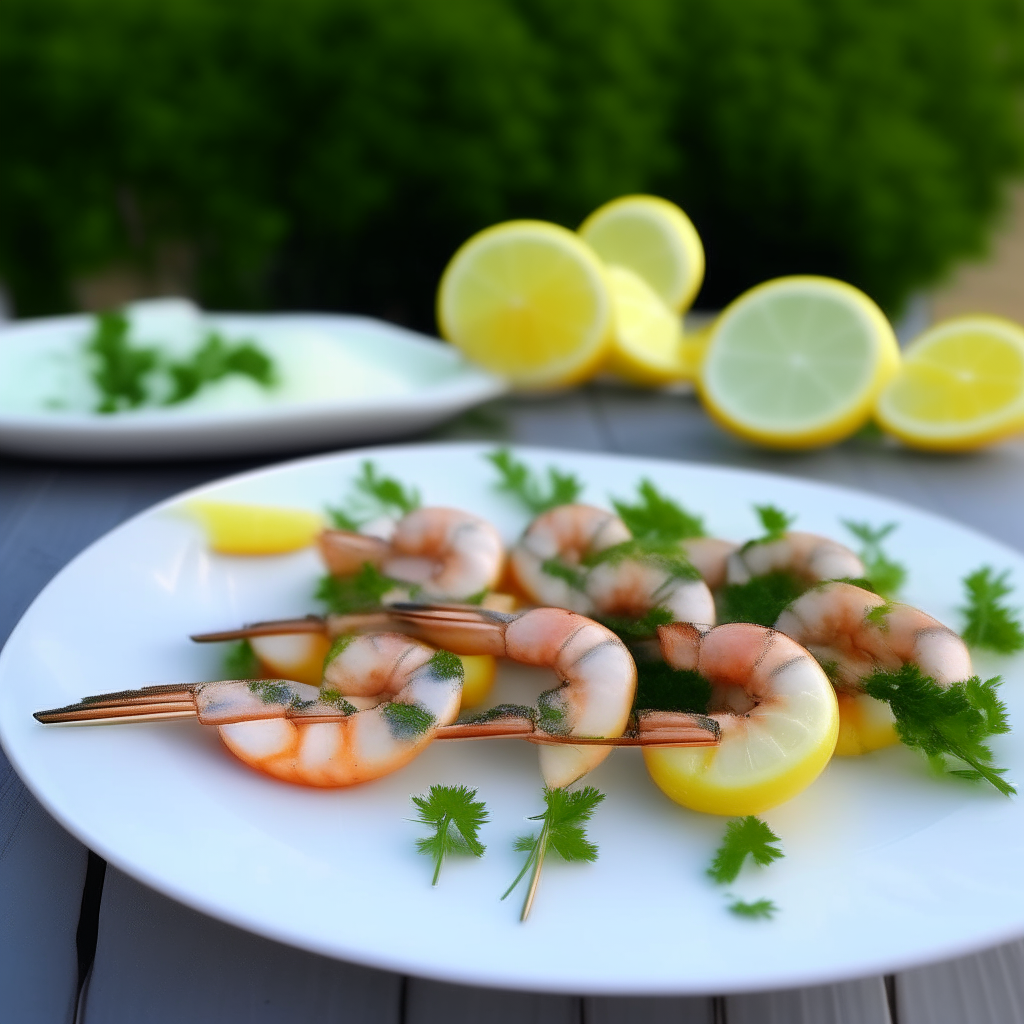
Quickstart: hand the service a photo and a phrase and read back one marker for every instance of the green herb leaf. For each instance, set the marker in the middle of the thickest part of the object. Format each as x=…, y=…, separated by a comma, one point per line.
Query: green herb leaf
x=775, y=522
x=373, y=496
x=761, y=599
x=455, y=816
x=764, y=909
x=989, y=622
x=119, y=370
x=659, y=554
x=562, y=830
x=333, y=698
x=657, y=517
x=946, y=722
x=518, y=480
x=240, y=662
x=885, y=576
x=275, y=691
x=406, y=721
x=561, y=570
x=359, y=593
x=214, y=360
x=744, y=837
x=645, y=625
x=663, y=688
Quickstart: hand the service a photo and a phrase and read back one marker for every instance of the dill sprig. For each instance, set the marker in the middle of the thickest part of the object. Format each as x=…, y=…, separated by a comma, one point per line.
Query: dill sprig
x=885, y=576
x=657, y=517
x=663, y=688
x=946, y=723
x=214, y=360
x=562, y=831
x=119, y=369
x=518, y=480
x=359, y=593
x=774, y=521
x=645, y=625
x=744, y=837
x=763, y=909
x=761, y=599
x=240, y=662
x=455, y=816
x=372, y=496
x=989, y=622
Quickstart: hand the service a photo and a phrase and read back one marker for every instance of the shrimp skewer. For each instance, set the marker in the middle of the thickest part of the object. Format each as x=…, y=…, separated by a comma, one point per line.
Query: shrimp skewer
x=446, y=553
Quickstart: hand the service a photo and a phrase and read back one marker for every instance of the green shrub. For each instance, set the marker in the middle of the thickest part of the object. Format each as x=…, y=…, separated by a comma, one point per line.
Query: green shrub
x=333, y=153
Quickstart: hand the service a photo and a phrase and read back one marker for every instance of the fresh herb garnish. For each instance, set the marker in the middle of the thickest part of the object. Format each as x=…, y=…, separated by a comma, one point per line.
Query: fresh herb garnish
x=761, y=599
x=274, y=691
x=455, y=816
x=885, y=576
x=659, y=554
x=501, y=711
x=989, y=622
x=562, y=830
x=518, y=480
x=946, y=722
x=879, y=616
x=334, y=699
x=775, y=523
x=373, y=496
x=744, y=837
x=645, y=625
x=359, y=593
x=657, y=517
x=240, y=662
x=214, y=360
x=663, y=688
x=562, y=570
x=406, y=721
x=119, y=370
x=764, y=909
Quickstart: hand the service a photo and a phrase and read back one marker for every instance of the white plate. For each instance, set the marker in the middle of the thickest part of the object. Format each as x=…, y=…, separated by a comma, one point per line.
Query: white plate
x=413, y=382
x=886, y=866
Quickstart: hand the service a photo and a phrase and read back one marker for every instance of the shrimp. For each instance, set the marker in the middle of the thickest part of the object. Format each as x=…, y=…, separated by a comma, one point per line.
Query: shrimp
x=448, y=554
x=597, y=673
x=710, y=557
x=854, y=633
x=619, y=586
x=808, y=556
x=776, y=711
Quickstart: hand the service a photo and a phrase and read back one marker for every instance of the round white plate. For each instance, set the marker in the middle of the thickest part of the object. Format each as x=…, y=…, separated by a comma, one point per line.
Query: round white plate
x=413, y=382
x=886, y=866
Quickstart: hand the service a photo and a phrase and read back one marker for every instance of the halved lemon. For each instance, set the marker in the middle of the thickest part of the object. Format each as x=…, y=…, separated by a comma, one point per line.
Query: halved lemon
x=797, y=362
x=238, y=529
x=529, y=301
x=961, y=386
x=654, y=239
x=647, y=342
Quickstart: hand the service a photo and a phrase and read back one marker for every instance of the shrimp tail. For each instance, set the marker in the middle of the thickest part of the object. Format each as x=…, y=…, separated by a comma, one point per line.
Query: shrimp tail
x=459, y=628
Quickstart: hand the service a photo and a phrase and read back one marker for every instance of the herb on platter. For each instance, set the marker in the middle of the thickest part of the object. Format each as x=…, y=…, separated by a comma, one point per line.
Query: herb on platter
x=774, y=521
x=373, y=496
x=119, y=371
x=562, y=830
x=759, y=909
x=744, y=837
x=885, y=575
x=535, y=494
x=359, y=593
x=657, y=517
x=989, y=622
x=455, y=815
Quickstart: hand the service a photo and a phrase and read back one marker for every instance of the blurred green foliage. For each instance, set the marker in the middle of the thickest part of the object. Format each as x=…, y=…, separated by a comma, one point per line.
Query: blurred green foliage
x=334, y=153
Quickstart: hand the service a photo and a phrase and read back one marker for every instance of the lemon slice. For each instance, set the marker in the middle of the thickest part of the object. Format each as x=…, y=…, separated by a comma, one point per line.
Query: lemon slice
x=797, y=362
x=865, y=724
x=647, y=343
x=961, y=386
x=478, y=675
x=654, y=239
x=237, y=529
x=295, y=656
x=527, y=300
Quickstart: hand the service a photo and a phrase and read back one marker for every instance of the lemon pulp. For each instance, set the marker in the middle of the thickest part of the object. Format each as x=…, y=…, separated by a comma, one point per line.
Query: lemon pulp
x=295, y=656
x=865, y=724
x=238, y=529
x=479, y=671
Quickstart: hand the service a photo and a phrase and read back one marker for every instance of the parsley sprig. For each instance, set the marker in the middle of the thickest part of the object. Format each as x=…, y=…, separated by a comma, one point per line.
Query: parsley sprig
x=359, y=593
x=215, y=359
x=948, y=724
x=240, y=662
x=989, y=622
x=535, y=494
x=119, y=370
x=744, y=837
x=885, y=575
x=374, y=495
x=774, y=521
x=657, y=517
x=562, y=831
x=763, y=909
x=455, y=815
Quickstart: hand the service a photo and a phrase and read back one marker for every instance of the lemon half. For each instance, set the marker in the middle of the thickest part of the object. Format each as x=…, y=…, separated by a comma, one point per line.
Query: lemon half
x=233, y=528
x=529, y=301
x=961, y=386
x=797, y=362
x=654, y=239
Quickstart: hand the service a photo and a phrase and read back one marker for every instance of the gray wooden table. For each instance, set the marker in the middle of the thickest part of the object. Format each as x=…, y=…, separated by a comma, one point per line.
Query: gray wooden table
x=79, y=942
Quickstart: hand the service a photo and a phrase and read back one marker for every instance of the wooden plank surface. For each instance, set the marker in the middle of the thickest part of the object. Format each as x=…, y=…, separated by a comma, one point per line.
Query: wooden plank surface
x=159, y=962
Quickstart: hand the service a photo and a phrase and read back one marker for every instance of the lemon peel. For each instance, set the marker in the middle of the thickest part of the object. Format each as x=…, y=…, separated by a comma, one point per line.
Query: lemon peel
x=233, y=528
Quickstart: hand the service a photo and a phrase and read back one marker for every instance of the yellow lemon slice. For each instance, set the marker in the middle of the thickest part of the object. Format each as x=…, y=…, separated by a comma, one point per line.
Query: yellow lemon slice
x=654, y=239
x=961, y=386
x=237, y=529
x=479, y=671
x=296, y=656
x=527, y=300
x=797, y=362
x=647, y=343
x=865, y=724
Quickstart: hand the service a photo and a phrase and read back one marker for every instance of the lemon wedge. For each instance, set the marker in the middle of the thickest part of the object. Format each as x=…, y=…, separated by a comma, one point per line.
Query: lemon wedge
x=479, y=671
x=647, y=343
x=865, y=724
x=529, y=301
x=961, y=386
x=295, y=656
x=654, y=239
x=797, y=362
x=238, y=529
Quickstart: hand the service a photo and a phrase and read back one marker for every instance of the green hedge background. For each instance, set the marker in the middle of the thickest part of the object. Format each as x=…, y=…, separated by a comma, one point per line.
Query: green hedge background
x=333, y=153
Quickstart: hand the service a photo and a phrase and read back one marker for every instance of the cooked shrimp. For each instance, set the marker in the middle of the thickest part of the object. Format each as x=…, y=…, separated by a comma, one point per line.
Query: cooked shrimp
x=807, y=556
x=597, y=673
x=854, y=633
x=448, y=554
x=710, y=557
x=627, y=586
x=776, y=711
